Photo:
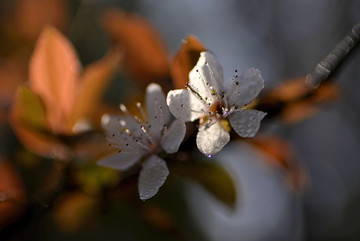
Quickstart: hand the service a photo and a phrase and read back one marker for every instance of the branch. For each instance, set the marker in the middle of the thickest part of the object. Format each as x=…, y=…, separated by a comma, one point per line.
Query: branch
x=328, y=65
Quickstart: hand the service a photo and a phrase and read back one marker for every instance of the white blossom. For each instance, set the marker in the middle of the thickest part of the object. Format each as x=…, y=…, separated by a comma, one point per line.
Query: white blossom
x=139, y=140
x=206, y=99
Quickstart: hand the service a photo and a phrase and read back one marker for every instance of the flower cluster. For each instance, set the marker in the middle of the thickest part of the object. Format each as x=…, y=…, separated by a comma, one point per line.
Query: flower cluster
x=206, y=99
x=139, y=140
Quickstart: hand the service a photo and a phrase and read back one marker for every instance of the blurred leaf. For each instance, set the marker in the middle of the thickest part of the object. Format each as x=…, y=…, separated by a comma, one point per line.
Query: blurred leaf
x=145, y=55
x=294, y=101
x=298, y=111
x=94, y=80
x=28, y=107
x=40, y=143
x=93, y=178
x=53, y=177
x=213, y=177
x=73, y=211
x=30, y=16
x=12, y=194
x=27, y=117
x=185, y=59
x=10, y=79
x=54, y=76
x=158, y=217
x=291, y=90
x=280, y=154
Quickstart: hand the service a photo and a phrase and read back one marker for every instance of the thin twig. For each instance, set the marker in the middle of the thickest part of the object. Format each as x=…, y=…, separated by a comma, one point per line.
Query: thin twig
x=328, y=65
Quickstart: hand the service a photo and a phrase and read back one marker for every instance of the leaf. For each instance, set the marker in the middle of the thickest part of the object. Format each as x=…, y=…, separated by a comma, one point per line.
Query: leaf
x=185, y=59
x=54, y=74
x=93, y=178
x=94, y=81
x=158, y=217
x=29, y=108
x=73, y=211
x=146, y=58
x=28, y=119
x=10, y=79
x=12, y=194
x=213, y=177
x=280, y=154
x=40, y=143
x=30, y=16
x=295, y=101
x=298, y=111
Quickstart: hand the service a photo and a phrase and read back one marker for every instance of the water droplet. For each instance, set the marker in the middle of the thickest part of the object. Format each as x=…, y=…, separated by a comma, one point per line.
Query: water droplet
x=209, y=156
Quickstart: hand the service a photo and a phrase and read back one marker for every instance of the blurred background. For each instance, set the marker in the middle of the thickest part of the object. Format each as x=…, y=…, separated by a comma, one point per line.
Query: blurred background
x=318, y=200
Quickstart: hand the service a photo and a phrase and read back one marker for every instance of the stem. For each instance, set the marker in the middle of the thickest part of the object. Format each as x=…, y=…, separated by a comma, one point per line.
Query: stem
x=328, y=65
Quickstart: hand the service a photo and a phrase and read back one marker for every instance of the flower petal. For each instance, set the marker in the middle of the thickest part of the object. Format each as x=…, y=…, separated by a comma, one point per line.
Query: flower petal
x=245, y=87
x=184, y=105
x=157, y=109
x=246, y=123
x=120, y=161
x=173, y=137
x=110, y=124
x=152, y=176
x=207, y=76
x=210, y=140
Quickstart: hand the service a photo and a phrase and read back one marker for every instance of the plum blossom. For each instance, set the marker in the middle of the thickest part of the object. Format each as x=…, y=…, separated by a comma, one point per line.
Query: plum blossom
x=206, y=99
x=139, y=140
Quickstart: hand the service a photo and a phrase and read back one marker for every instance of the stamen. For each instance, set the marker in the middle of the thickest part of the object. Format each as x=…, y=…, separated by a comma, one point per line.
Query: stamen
x=214, y=82
x=143, y=115
x=206, y=84
x=196, y=93
x=146, y=132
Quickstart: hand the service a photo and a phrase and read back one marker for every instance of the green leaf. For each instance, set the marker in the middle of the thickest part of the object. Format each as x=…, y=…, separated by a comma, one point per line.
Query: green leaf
x=31, y=108
x=212, y=176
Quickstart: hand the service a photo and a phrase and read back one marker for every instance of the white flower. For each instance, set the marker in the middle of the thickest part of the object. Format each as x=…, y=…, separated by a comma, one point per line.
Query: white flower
x=206, y=98
x=137, y=140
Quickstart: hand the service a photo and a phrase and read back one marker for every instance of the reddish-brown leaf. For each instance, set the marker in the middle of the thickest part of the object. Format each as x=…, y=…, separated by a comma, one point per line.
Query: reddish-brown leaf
x=158, y=217
x=281, y=155
x=185, y=59
x=10, y=79
x=294, y=101
x=145, y=55
x=94, y=80
x=12, y=193
x=28, y=119
x=73, y=211
x=54, y=76
x=31, y=16
x=298, y=111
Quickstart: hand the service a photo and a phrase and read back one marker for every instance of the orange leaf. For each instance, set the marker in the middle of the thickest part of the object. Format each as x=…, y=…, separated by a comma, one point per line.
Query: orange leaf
x=94, y=80
x=158, y=217
x=12, y=193
x=185, y=59
x=146, y=57
x=41, y=144
x=291, y=90
x=281, y=156
x=73, y=211
x=53, y=76
x=27, y=118
x=298, y=111
x=294, y=101
x=10, y=79
x=32, y=15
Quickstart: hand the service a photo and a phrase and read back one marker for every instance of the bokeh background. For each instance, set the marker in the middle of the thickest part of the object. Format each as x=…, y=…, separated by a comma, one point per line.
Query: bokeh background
x=285, y=40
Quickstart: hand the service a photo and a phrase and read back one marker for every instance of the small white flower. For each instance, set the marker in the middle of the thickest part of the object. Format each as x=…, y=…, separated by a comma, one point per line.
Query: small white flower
x=205, y=98
x=136, y=140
